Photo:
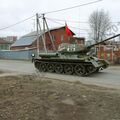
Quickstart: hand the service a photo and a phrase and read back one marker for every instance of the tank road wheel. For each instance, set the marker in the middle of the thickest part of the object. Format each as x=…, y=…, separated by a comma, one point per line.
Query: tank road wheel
x=50, y=68
x=42, y=67
x=68, y=69
x=79, y=70
x=58, y=68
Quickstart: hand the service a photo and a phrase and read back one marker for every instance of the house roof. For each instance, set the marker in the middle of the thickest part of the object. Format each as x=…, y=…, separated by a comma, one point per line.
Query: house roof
x=55, y=28
x=34, y=33
x=29, y=38
x=25, y=40
x=79, y=38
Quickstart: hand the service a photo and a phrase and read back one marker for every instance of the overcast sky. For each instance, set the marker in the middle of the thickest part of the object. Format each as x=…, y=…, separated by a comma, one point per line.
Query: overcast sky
x=13, y=11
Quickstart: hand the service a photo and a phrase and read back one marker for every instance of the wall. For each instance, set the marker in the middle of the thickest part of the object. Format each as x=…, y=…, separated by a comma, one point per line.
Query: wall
x=109, y=53
x=17, y=54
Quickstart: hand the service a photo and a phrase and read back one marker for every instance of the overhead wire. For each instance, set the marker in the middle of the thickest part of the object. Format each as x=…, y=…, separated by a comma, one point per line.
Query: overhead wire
x=64, y=24
x=68, y=20
x=50, y=12
x=75, y=21
x=16, y=23
x=73, y=7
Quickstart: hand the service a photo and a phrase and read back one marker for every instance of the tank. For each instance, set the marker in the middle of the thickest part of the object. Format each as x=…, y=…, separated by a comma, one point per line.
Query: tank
x=71, y=59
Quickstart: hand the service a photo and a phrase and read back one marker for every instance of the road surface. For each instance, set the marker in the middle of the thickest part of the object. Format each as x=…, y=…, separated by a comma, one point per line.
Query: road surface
x=107, y=78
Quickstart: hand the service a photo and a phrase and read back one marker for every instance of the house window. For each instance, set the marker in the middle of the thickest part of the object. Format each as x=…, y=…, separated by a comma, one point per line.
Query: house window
x=62, y=38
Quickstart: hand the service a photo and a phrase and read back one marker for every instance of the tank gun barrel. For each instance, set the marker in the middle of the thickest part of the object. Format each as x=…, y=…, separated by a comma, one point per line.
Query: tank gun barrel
x=103, y=41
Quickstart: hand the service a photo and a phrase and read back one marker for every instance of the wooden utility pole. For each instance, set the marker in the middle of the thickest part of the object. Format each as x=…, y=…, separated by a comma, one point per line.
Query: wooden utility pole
x=41, y=33
x=37, y=21
x=51, y=38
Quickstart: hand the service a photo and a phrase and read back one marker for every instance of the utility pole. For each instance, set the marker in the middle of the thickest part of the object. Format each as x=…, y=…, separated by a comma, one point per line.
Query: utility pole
x=41, y=34
x=44, y=40
x=51, y=38
x=37, y=21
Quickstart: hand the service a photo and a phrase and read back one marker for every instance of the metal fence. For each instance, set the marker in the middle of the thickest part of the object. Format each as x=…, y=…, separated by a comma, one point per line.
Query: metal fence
x=18, y=54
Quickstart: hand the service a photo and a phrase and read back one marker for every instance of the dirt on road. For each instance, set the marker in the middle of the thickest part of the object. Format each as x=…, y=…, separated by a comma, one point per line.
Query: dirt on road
x=32, y=97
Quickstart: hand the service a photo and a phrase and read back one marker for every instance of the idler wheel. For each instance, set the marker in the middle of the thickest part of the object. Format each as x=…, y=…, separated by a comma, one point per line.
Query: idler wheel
x=68, y=69
x=58, y=68
x=79, y=70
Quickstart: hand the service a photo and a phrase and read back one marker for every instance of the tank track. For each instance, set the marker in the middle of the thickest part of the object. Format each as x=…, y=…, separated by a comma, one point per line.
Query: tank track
x=68, y=67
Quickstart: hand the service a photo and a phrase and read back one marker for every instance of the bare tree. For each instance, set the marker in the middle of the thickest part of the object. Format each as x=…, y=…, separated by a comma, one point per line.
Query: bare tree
x=99, y=22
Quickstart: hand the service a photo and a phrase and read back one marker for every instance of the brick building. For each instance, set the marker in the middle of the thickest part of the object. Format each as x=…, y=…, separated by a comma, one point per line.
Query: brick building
x=30, y=40
x=80, y=40
x=11, y=38
x=109, y=52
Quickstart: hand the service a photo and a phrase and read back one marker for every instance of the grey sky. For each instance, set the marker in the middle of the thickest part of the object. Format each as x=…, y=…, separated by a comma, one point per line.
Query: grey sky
x=12, y=11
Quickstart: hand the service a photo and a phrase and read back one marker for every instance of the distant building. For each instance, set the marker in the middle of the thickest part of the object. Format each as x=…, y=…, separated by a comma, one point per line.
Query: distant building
x=80, y=40
x=110, y=52
x=30, y=40
x=4, y=45
x=11, y=38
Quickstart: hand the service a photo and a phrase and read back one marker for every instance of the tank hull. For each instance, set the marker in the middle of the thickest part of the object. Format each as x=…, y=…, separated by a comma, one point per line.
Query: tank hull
x=69, y=66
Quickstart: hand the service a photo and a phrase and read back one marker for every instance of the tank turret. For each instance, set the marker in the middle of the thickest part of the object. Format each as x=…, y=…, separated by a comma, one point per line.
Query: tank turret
x=75, y=48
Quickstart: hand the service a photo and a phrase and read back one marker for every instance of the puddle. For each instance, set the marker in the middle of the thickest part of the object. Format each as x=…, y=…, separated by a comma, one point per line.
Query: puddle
x=68, y=101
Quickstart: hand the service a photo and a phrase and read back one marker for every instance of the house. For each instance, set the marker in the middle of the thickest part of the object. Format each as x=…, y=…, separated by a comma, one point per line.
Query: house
x=80, y=40
x=58, y=35
x=25, y=42
x=110, y=52
x=4, y=45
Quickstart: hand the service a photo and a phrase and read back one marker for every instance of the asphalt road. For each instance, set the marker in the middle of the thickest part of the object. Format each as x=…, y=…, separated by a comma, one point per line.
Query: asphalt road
x=107, y=78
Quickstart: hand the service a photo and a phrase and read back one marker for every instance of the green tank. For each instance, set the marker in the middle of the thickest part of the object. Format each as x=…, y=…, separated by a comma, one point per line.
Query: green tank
x=71, y=59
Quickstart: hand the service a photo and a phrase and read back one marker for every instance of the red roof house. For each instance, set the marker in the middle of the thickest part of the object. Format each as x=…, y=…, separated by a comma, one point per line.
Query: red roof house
x=30, y=40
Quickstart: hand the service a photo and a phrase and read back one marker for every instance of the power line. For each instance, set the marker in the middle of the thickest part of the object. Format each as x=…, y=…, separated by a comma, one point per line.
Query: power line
x=68, y=20
x=74, y=21
x=17, y=23
x=73, y=7
x=64, y=24
x=50, y=12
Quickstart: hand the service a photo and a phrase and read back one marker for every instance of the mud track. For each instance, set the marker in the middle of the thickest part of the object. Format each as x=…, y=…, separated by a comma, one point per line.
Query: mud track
x=34, y=97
